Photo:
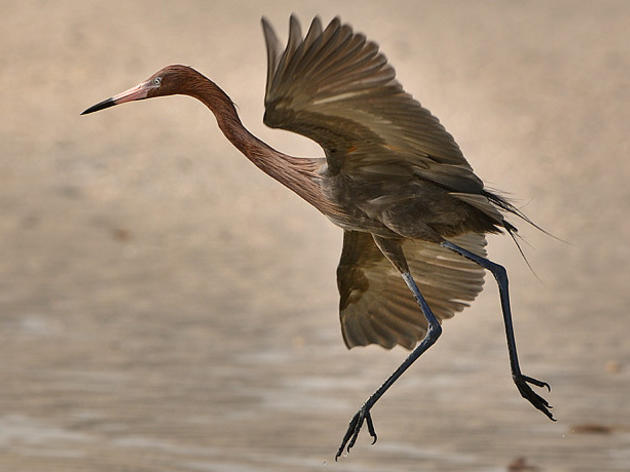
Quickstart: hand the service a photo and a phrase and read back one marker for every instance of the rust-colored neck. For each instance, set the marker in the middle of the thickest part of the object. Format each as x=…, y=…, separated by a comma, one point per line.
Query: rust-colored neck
x=298, y=174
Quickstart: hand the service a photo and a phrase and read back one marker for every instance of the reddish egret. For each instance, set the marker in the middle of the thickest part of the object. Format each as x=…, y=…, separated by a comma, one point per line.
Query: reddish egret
x=414, y=214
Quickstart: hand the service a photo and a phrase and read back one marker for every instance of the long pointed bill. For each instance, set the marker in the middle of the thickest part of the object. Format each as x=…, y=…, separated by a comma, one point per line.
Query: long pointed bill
x=138, y=92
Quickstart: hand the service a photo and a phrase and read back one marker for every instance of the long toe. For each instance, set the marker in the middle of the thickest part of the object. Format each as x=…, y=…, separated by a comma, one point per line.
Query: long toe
x=538, y=383
x=350, y=433
x=354, y=428
x=370, y=425
x=526, y=392
x=357, y=429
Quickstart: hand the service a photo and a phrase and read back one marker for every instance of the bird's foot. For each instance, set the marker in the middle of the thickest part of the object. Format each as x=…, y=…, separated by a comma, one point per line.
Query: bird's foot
x=354, y=427
x=527, y=393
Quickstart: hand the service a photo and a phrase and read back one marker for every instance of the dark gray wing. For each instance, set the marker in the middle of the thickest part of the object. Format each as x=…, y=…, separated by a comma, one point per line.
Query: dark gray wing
x=336, y=88
x=377, y=307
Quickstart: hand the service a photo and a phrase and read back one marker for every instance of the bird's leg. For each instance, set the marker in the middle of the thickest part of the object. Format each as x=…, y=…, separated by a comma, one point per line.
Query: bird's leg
x=394, y=253
x=520, y=380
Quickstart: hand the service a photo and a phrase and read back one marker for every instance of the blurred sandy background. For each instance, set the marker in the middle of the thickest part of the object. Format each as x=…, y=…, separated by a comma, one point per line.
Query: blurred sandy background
x=165, y=306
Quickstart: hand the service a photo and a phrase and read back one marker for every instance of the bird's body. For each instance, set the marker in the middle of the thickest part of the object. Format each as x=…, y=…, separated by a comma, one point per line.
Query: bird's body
x=414, y=213
x=402, y=207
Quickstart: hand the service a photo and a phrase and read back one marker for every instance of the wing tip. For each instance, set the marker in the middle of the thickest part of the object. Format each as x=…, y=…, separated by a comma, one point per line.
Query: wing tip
x=336, y=22
x=317, y=21
x=295, y=33
x=293, y=19
x=271, y=39
x=268, y=30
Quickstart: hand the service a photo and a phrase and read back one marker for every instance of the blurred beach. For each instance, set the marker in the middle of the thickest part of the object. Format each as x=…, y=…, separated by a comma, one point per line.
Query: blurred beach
x=165, y=306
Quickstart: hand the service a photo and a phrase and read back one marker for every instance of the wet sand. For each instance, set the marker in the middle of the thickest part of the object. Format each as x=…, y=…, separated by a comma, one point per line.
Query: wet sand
x=164, y=306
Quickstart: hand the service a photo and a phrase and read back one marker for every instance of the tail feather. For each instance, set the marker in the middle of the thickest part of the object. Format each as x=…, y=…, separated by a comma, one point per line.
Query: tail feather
x=504, y=204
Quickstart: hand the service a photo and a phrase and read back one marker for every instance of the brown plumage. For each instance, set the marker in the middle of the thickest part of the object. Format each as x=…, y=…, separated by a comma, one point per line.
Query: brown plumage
x=375, y=304
x=414, y=213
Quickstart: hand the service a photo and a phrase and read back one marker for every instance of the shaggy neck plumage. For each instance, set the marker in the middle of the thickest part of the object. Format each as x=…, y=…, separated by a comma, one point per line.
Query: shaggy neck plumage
x=298, y=174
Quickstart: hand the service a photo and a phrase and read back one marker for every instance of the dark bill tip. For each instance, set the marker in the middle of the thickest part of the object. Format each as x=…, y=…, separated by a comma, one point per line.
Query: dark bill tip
x=100, y=106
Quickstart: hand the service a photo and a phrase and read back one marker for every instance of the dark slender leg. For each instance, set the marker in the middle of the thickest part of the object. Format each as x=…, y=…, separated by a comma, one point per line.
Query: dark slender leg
x=433, y=332
x=520, y=380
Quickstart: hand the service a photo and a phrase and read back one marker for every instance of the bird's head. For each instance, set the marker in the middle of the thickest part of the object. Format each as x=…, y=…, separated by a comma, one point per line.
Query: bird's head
x=167, y=81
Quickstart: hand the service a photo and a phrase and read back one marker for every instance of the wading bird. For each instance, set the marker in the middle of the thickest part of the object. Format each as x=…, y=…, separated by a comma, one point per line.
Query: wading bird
x=414, y=214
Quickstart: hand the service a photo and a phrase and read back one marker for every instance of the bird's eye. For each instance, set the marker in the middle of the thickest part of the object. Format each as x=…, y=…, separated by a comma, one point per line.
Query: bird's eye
x=157, y=81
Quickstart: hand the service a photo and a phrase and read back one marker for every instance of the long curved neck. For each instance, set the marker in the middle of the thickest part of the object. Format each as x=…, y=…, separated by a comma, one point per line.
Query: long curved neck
x=298, y=174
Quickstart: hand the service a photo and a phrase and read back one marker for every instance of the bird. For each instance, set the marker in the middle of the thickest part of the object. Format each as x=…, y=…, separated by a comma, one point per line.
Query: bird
x=414, y=214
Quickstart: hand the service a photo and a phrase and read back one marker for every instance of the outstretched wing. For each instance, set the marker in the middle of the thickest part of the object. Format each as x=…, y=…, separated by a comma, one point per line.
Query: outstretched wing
x=377, y=307
x=336, y=88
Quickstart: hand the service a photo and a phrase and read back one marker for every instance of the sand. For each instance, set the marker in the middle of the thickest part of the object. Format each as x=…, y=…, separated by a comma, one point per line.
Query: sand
x=165, y=306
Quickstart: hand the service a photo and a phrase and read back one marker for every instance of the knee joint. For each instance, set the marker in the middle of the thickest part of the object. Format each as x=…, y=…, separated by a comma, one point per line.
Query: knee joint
x=499, y=272
x=434, y=331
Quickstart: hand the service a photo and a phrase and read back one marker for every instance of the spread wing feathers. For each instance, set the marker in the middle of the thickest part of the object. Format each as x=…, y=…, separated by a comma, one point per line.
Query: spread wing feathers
x=335, y=87
x=377, y=307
